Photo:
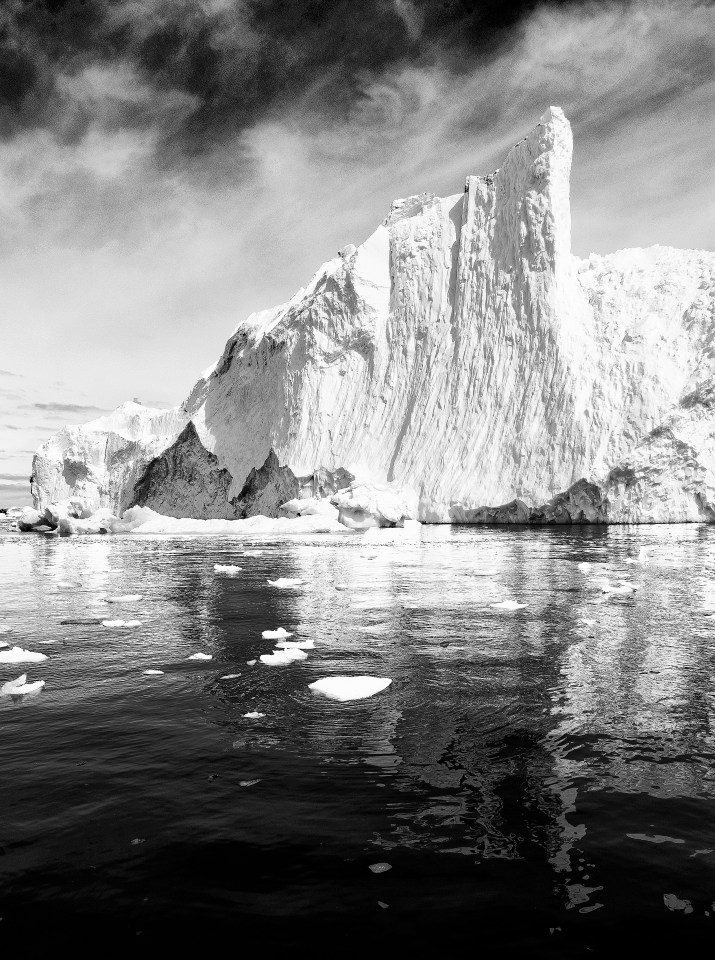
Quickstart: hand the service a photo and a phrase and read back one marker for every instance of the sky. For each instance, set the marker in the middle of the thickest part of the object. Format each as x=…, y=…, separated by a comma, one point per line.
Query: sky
x=169, y=166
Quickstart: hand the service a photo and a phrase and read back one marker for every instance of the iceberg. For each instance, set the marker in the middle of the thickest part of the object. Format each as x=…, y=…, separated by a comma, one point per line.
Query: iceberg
x=458, y=366
x=18, y=655
x=350, y=688
x=279, y=658
x=19, y=687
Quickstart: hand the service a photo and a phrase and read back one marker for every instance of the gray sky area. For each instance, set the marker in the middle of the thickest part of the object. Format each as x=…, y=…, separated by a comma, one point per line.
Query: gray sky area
x=168, y=167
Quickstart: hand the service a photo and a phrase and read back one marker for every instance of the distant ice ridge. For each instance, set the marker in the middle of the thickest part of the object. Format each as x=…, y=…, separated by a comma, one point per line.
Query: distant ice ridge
x=458, y=366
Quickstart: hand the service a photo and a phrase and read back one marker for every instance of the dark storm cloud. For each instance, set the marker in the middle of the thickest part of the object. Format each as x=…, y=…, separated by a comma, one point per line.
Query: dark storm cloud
x=232, y=61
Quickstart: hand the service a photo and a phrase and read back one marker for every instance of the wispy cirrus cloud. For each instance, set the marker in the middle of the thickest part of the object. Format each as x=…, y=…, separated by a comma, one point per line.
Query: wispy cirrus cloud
x=60, y=409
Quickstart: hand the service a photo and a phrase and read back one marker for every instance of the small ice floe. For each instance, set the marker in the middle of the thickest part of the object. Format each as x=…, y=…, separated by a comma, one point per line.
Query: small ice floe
x=279, y=658
x=379, y=867
x=253, y=715
x=342, y=586
x=350, y=688
x=618, y=590
x=4, y=629
x=654, y=838
x=126, y=598
x=249, y=783
x=279, y=634
x=229, y=676
x=641, y=558
x=588, y=623
x=201, y=656
x=18, y=655
x=252, y=553
x=53, y=641
x=153, y=673
x=251, y=663
x=226, y=568
x=384, y=906
x=121, y=623
x=3, y=644
x=584, y=565
x=674, y=903
x=19, y=687
x=284, y=582
x=507, y=605
x=137, y=841
x=296, y=644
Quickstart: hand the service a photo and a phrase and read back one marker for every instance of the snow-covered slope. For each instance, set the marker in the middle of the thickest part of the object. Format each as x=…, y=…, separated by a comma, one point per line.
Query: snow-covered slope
x=462, y=355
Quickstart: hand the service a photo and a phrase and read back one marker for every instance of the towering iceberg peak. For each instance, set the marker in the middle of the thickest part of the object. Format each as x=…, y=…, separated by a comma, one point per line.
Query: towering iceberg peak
x=460, y=358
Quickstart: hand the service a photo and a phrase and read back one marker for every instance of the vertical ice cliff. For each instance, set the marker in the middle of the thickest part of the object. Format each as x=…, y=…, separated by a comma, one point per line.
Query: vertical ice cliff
x=463, y=355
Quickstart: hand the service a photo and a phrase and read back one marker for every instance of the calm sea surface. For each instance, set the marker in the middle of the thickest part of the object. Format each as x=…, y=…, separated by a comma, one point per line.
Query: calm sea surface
x=539, y=785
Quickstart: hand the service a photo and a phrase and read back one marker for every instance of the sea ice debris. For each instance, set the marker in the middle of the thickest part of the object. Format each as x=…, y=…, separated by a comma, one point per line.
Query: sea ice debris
x=226, y=568
x=126, y=598
x=229, y=676
x=280, y=658
x=507, y=605
x=674, y=903
x=249, y=783
x=252, y=553
x=296, y=644
x=4, y=629
x=20, y=686
x=380, y=867
x=153, y=673
x=253, y=715
x=251, y=663
x=201, y=656
x=283, y=582
x=588, y=623
x=279, y=634
x=350, y=688
x=18, y=655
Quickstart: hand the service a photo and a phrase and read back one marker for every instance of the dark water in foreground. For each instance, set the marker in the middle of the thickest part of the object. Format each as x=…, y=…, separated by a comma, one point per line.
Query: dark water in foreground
x=539, y=786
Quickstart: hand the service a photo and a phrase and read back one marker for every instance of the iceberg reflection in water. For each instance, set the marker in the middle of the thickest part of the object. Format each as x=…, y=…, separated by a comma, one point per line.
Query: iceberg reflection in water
x=540, y=781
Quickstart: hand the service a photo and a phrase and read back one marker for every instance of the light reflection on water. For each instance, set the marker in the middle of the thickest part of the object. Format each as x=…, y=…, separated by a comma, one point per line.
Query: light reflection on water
x=526, y=771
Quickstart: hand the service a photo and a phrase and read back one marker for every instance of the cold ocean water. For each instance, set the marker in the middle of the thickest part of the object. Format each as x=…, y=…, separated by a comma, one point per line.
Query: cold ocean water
x=539, y=785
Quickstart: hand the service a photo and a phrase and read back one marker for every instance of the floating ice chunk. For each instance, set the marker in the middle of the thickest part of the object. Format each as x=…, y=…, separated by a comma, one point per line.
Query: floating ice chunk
x=283, y=582
x=350, y=688
x=4, y=629
x=249, y=783
x=201, y=656
x=654, y=838
x=52, y=641
x=229, y=676
x=121, y=623
x=296, y=644
x=380, y=867
x=622, y=589
x=279, y=658
x=383, y=905
x=251, y=663
x=588, y=623
x=126, y=598
x=153, y=673
x=342, y=586
x=507, y=605
x=252, y=553
x=253, y=715
x=584, y=565
x=132, y=623
x=278, y=634
x=226, y=568
x=675, y=903
x=7, y=688
x=3, y=644
x=18, y=655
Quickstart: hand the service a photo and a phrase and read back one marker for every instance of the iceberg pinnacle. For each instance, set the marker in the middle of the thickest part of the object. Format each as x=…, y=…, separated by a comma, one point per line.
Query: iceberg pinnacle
x=460, y=365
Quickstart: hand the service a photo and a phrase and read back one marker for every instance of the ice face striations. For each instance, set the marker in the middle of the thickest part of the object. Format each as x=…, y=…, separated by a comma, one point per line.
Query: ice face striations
x=462, y=356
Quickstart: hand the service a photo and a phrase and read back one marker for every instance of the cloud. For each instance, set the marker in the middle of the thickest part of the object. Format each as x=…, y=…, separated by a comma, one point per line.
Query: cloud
x=61, y=408
x=10, y=426
x=8, y=373
x=12, y=477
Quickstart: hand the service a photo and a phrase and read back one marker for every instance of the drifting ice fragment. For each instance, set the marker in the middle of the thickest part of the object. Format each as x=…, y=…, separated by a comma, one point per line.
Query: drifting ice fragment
x=19, y=687
x=675, y=903
x=49, y=641
x=5, y=629
x=3, y=644
x=280, y=658
x=279, y=634
x=248, y=783
x=201, y=656
x=153, y=673
x=589, y=623
x=283, y=582
x=18, y=655
x=508, y=605
x=252, y=553
x=584, y=566
x=226, y=568
x=254, y=715
x=121, y=623
x=342, y=586
x=296, y=644
x=380, y=867
x=251, y=663
x=229, y=676
x=127, y=598
x=350, y=688
x=622, y=589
